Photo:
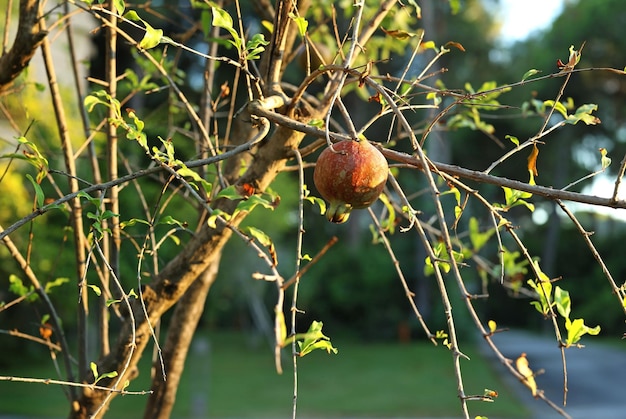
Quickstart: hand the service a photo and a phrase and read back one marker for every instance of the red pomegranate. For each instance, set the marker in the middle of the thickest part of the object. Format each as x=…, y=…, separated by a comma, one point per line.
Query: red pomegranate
x=353, y=176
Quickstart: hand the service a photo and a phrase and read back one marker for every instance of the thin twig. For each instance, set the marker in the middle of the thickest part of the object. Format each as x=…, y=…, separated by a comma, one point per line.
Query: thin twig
x=48, y=381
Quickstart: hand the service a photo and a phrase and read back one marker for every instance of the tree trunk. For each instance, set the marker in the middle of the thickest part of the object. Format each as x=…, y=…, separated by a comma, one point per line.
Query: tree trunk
x=179, y=336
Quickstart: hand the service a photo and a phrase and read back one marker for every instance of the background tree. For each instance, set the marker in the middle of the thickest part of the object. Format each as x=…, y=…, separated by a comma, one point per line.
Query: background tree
x=221, y=115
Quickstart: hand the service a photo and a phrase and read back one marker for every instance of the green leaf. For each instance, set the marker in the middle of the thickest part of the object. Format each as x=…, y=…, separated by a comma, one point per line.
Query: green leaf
x=563, y=302
x=91, y=101
x=514, y=197
x=152, y=38
x=513, y=139
x=55, y=283
x=249, y=204
x=229, y=193
x=315, y=339
x=301, y=23
x=558, y=106
x=306, y=194
x=38, y=191
x=255, y=47
x=389, y=223
x=455, y=6
x=94, y=369
x=441, y=253
x=529, y=73
x=111, y=374
x=606, y=161
x=112, y=301
x=212, y=221
x=434, y=97
x=454, y=191
x=543, y=288
x=108, y=214
x=263, y=238
x=320, y=344
x=132, y=222
x=95, y=289
x=477, y=238
x=132, y=15
x=16, y=286
x=222, y=19
x=583, y=113
x=577, y=329
x=169, y=220
x=119, y=6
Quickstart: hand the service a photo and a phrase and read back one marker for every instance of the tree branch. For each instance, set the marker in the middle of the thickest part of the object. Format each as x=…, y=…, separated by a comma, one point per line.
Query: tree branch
x=28, y=38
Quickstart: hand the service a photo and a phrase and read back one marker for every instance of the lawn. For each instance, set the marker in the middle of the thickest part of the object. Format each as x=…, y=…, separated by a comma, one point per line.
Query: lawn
x=227, y=378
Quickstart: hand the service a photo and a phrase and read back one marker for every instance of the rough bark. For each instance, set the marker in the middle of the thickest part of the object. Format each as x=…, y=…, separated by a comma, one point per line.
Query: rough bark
x=179, y=336
x=28, y=38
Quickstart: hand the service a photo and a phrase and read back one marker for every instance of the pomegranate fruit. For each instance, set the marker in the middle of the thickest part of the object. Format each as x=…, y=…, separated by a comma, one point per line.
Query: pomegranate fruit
x=351, y=176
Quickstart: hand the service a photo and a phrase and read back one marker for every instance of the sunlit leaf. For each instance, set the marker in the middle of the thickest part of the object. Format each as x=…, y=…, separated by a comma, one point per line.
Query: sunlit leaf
x=254, y=200
x=563, y=301
x=230, y=192
x=455, y=6
x=111, y=374
x=222, y=19
x=256, y=46
x=477, y=238
x=55, y=283
x=132, y=222
x=301, y=23
x=583, y=113
x=606, y=161
x=38, y=191
x=119, y=6
x=513, y=139
x=532, y=160
x=492, y=326
x=558, y=106
x=269, y=26
x=577, y=329
x=428, y=45
x=521, y=364
x=169, y=220
x=95, y=289
x=282, y=327
x=315, y=339
x=389, y=222
x=94, y=369
x=529, y=73
x=263, y=238
x=16, y=286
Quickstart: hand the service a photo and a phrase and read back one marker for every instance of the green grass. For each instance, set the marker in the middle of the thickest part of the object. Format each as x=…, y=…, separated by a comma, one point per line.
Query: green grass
x=230, y=379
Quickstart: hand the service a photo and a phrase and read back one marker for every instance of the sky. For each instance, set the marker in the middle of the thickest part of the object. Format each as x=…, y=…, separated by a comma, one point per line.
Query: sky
x=522, y=17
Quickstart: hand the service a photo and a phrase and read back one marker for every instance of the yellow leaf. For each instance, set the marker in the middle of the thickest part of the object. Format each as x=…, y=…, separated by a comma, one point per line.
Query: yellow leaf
x=532, y=160
x=281, y=328
x=492, y=326
x=521, y=364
